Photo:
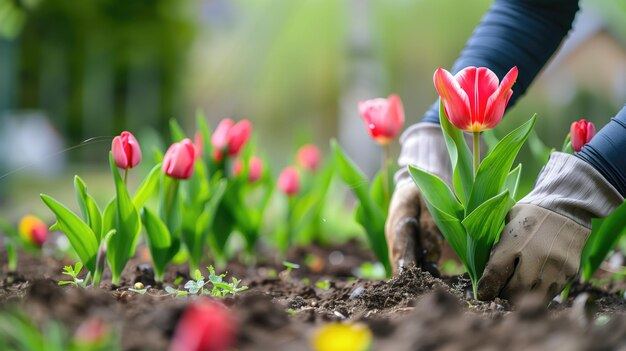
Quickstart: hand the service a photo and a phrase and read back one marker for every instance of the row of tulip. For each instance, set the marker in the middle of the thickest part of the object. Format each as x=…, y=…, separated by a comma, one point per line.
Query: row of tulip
x=203, y=197
x=196, y=196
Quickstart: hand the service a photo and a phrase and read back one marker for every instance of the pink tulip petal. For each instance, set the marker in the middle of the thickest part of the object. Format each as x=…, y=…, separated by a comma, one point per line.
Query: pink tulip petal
x=479, y=84
x=219, y=139
x=455, y=99
x=238, y=136
x=499, y=99
x=256, y=169
x=119, y=154
x=591, y=131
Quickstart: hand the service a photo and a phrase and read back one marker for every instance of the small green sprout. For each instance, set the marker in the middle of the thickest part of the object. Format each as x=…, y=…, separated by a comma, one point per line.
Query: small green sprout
x=323, y=284
x=291, y=311
x=284, y=275
x=197, y=286
x=74, y=272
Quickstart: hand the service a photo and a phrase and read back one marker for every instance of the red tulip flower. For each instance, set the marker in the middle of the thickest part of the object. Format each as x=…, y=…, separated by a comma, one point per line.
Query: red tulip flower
x=33, y=230
x=309, y=157
x=126, y=151
x=179, y=160
x=473, y=99
x=206, y=325
x=230, y=137
x=255, y=168
x=383, y=118
x=289, y=181
x=581, y=133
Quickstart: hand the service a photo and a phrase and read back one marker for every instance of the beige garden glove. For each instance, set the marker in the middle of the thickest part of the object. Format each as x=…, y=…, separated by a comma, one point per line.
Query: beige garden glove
x=540, y=247
x=412, y=236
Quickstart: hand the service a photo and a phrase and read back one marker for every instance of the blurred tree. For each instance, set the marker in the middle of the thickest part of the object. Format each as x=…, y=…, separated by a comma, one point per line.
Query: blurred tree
x=92, y=65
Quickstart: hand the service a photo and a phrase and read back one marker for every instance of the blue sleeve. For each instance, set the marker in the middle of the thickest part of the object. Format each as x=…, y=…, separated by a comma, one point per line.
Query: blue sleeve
x=522, y=33
x=605, y=152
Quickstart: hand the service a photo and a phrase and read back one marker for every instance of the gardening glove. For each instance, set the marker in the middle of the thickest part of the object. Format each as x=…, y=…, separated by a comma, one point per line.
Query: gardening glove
x=412, y=236
x=540, y=247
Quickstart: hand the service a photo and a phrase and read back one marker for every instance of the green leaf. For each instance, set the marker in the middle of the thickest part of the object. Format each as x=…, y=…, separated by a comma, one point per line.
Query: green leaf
x=483, y=227
x=605, y=234
x=80, y=235
x=494, y=169
x=176, y=131
x=163, y=247
x=538, y=149
x=196, y=227
x=375, y=231
x=381, y=193
x=148, y=186
x=511, y=182
x=490, y=139
x=121, y=246
x=460, y=157
x=437, y=192
x=88, y=207
x=451, y=229
x=352, y=176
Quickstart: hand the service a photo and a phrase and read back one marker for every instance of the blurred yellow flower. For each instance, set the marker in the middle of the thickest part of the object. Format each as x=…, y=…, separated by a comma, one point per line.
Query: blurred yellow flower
x=33, y=230
x=342, y=337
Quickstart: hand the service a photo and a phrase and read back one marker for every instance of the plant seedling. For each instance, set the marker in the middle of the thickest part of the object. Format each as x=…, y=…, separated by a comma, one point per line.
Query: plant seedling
x=284, y=275
x=74, y=272
x=197, y=286
x=323, y=284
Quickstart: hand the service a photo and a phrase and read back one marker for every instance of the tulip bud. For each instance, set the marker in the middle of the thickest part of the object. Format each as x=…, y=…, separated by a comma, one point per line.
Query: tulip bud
x=206, y=325
x=230, y=137
x=33, y=230
x=255, y=168
x=92, y=331
x=309, y=157
x=581, y=133
x=238, y=136
x=179, y=160
x=199, y=145
x=289, y=181
x=126, y=151
x=474, y=100
x=383, y=118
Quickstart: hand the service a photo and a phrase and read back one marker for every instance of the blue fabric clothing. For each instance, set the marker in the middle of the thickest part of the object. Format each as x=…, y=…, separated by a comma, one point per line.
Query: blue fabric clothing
x=526, y=33
x=606, y=152
x=522, y=33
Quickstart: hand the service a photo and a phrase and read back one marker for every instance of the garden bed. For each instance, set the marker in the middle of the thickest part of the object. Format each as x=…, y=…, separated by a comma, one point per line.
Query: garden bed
x=412, y=311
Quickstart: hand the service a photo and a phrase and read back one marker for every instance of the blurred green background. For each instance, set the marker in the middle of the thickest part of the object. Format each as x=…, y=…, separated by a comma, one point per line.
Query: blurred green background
x=84, y=69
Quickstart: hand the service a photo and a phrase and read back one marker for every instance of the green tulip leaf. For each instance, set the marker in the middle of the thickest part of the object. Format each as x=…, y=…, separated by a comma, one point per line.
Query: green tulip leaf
x=460, y=157
x=483, y=227
x=80, y=235
x=437, y=192
x=121, y=246
x=375, y=231
x=176, y=131
x=511, y=183
x=163, y=247
x=88, y=207
x=148, y=187
x=496, y=166
x=605, y=234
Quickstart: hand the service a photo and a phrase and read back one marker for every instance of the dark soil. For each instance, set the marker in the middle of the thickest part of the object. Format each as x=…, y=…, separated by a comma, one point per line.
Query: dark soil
x=412, y=311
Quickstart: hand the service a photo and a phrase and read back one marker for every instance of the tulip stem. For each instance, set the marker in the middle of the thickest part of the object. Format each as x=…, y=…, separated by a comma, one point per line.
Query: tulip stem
x=12, y=256
x=125, y=176
x=476, y=152
x=385, y=171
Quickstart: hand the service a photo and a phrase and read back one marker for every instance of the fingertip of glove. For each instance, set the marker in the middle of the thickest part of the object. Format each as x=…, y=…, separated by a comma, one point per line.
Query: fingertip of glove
x=488, y=287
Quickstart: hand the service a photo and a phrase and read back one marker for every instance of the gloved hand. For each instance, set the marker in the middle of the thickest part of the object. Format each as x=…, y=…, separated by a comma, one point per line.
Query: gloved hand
x=412, y=236
x=540, y=247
